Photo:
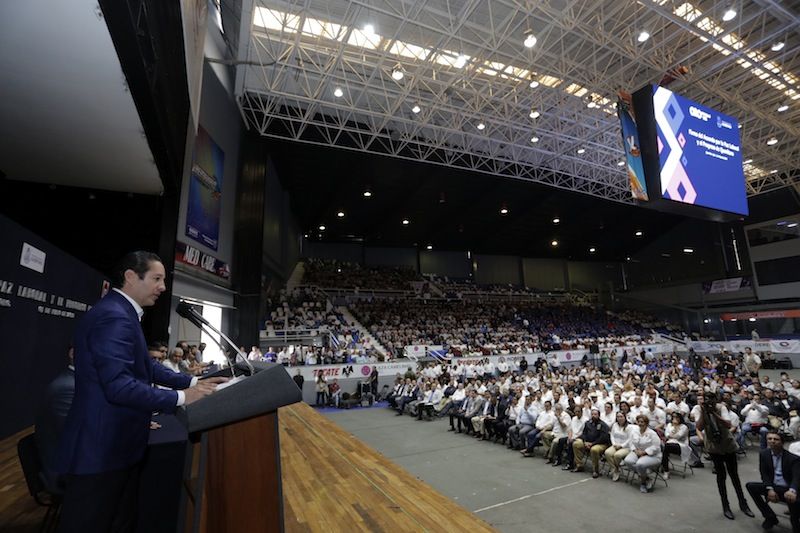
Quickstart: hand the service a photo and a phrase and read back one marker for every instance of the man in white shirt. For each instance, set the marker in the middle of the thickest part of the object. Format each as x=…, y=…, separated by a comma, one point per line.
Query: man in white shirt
x=756, y=419
x=544, y=422
x=557, y=436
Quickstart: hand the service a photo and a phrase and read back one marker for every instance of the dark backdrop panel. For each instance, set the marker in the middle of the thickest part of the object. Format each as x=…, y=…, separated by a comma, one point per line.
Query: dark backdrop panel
x=445, y=263
x=352, y=253
x=38, y=312
x=498, y=269
x=382, y=256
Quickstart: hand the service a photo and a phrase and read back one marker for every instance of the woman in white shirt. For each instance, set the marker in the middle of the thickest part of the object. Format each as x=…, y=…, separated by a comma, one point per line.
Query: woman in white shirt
x=620, y=444
x=677, y=435
x=645, y=452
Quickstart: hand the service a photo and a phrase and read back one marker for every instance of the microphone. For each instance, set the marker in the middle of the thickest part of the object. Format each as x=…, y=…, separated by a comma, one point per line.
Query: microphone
x=187, y=311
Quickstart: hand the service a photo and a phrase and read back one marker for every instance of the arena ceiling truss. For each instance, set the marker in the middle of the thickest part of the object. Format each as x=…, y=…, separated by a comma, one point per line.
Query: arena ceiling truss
x=452, y=82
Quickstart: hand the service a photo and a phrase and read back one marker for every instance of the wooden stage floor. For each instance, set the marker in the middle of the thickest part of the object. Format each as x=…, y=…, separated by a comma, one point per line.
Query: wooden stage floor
x=331, y=482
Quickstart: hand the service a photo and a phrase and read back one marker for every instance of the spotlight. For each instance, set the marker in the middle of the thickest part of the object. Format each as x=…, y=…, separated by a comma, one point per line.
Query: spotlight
x=416, y=109
x=772, y=142
x=581, y=151
x=752, y=319
x=639, y=233
x=729, y=15
x=556, y=220
x=367, y=194
x=429, y=247
x=777, y=47
x=533, y=84
x=534, y=114
x=592, y=250
x=530, y=39
x=554, y=243
x=643, y=36
x=406, y=222
x=688, y=250
x=397, y=73
x=534, y=139
x=369, y=29
x=340, y=214
x=773, y=171
x=504, y=210
x=338, y=92
x=460, y=61
x=481, y=126
x=747, y=161
x=620, y=163
x=783, y=108
x=322, y=228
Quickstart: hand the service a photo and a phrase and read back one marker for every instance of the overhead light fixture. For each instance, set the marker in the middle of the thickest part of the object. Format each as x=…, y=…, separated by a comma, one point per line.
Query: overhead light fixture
x=729, y=15
x=783, y=108
x=397, y=73
x=778, y=46
x=369, y=29
x=772, y=141
x=460, y=61
x=406, y=222
x=556, y=220
x=534, y=139
x=367, y=193
x=481, y=126
x=592, y=104
x=791, y=225
x=530, y=39
x=306, y=235
x=706, y=321
x=581, y=150
x=504, y=210
x=620, y=163
x=628, y=258
x=554, y=243
x=322, y=228
x=429, y=247
x=533, y=84
x=752, y=319
x=748, y=161
x=338, y=92
x=643, y=36
x=592, y=250
x=340, y=214
x=534, y=114
x=688, y=250
x=416, y=109
x=773, y=171
x=639, y=233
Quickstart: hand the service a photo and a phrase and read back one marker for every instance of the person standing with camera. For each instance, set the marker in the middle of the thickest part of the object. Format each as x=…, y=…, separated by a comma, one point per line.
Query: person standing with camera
x=721, y=446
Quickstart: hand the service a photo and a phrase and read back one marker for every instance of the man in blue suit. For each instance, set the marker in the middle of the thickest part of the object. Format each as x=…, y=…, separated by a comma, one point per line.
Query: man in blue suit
x=105, y=435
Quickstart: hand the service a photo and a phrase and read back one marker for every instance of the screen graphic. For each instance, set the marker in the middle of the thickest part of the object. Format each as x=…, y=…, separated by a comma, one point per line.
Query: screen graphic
x=205, y=191
x=700, y=157
x=633, y=152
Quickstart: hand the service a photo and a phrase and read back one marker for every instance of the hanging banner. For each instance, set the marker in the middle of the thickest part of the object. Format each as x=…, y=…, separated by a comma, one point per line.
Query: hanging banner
x=205, y=191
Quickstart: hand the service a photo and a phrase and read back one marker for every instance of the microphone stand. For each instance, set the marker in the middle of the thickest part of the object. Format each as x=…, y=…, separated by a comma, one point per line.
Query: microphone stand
x=185, y=310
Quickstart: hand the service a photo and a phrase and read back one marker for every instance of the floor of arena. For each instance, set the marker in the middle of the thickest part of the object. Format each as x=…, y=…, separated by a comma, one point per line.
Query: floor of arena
x=516, y=494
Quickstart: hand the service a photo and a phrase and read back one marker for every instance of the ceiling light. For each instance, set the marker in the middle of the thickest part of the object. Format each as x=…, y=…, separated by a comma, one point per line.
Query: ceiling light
x=416, y=109
x=772, y=142
x=322, y=228
x=592, y=250
x=783, y=108
x=643, y=36
x=792, y=225
x=369, y=29
x=592, y=104
x=367, y=194
x=340, y=214
x=777, y=47
x=533, y=84
x=534, y=114
x=397, y=73
x=620, y=163
x=338, y=92
x=729, y=15
x=460, y=61
x=627, y=258
x=406, y=222
x=556, y=220
x=481, y=126
x=688, y=250
x=773, y=171
x=530, y=39
x=554, y=243
x=581, y=151
x=503, y=210
x=639, y=233
x=429, y=247
x=752, y=319
x=306, y=235
x=534, y=139
x=748, y=161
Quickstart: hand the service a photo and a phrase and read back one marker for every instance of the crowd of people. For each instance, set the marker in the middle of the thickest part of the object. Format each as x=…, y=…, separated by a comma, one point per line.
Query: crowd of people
x=481, y=327
x=646, y=417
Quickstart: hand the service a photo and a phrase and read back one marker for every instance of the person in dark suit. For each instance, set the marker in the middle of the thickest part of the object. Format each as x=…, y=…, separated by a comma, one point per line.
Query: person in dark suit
x=50, y=421
x=105, y=435
x=780, y=474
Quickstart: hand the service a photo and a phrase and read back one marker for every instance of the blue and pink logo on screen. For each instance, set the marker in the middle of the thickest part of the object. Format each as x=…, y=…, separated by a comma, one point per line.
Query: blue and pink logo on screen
x=675, y=182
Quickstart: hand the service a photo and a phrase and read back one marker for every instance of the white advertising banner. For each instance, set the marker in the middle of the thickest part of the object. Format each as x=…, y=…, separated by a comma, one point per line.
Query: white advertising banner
x=775, y=346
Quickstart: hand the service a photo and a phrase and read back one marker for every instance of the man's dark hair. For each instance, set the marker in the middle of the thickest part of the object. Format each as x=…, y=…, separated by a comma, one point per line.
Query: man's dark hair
x=774, y=432
x=138, y=261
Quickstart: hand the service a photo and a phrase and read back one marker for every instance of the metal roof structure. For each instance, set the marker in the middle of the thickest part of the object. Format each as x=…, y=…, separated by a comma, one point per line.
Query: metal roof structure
x=454, y=82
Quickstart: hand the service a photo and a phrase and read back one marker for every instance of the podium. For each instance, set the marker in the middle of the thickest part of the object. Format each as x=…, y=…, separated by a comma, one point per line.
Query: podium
x=232, y=471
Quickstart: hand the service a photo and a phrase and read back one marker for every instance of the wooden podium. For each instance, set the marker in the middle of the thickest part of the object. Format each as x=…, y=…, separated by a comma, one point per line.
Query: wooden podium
x=232, y=472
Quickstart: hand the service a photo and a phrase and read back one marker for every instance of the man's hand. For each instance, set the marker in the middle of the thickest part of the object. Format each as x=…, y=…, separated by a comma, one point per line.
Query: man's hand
x=202, y=389
x=773, y=496
x=790, y=496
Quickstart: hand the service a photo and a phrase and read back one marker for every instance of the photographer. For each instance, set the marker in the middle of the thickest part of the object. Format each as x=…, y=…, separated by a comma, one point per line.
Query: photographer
x=721, y=446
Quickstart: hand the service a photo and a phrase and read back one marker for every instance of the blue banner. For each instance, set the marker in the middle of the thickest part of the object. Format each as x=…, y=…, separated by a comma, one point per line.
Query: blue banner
x=205, y=191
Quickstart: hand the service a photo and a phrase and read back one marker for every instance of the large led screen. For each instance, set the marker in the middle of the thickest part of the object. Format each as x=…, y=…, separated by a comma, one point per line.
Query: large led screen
x=699, y=150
